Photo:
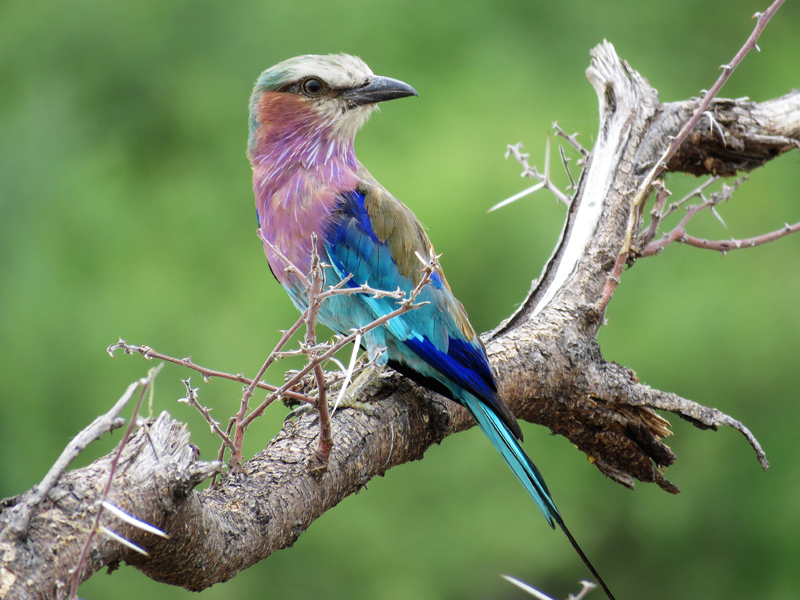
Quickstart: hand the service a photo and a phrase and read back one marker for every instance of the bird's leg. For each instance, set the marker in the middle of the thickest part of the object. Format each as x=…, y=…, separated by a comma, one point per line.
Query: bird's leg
x=350, y=397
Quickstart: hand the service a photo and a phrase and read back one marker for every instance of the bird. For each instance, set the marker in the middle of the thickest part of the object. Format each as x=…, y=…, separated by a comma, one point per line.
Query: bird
x=309, y=185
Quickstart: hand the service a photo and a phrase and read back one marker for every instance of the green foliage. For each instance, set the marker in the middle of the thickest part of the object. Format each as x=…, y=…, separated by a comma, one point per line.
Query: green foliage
x=126, y=210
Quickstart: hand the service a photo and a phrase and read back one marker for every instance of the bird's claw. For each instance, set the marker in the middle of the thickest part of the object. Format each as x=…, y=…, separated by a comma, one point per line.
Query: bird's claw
x=357, y=389
x=299, y=411
x=350, y=398
x=349, y=401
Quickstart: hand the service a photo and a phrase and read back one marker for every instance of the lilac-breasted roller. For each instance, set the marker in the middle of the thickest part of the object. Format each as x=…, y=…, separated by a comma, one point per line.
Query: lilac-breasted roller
x=304, y=115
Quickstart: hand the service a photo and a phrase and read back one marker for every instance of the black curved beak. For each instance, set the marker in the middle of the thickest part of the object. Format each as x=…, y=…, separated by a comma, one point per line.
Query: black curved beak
x=379, y=89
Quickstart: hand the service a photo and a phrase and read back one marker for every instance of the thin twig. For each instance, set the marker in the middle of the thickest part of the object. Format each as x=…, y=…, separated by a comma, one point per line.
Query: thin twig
x=314, y=284
x=102, y=424
x=221, y=453
x=149, y=354
x=406, y=305
x=531, y=172
x=695, y=193
x=191, y=400
x=318, y=354
x=612, y=281
x=727, y=70
x=572, y=139
x=238, y=443
x=656, y=214
x=317, y=277
x=565, y=162
x=725, y=246
x=678, y=234
x=290, y=267
x=362, y=289
x=588, y=586
x=142, y=385
x=303, y=350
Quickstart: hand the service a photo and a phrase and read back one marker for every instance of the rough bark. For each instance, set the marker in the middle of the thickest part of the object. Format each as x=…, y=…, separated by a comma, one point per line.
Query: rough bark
x=549, y=367
x=735, y=135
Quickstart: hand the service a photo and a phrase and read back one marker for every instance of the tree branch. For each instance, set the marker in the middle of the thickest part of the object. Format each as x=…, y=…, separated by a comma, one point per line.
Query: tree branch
x=744, y=135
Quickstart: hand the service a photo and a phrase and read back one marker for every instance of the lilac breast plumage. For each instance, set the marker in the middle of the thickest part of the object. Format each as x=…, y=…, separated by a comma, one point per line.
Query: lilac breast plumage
x=300, y=205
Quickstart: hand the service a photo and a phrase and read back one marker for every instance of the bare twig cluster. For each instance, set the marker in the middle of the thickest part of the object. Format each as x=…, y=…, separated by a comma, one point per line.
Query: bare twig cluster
x=639, y=243
x=22, y=512
x=545, y=182
x=142, y=387
x=700, y=111
x=678, y=233
x=317, y=353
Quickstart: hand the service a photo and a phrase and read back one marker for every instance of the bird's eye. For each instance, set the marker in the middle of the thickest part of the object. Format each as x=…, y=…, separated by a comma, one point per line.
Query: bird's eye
x=312, y=87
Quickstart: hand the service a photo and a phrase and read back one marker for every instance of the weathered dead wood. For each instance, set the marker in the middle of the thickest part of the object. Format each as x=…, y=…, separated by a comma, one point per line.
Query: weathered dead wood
x=549, y=367
x=734, y=135
x=158, y=471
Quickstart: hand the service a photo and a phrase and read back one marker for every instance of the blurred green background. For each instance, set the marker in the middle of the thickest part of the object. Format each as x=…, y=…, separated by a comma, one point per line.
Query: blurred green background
x=126, y=210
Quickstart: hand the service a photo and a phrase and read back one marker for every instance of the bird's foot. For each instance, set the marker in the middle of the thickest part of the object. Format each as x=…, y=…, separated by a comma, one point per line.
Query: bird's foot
x=350, y=397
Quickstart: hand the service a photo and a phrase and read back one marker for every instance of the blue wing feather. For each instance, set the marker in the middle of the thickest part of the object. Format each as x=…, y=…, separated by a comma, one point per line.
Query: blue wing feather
x=427, y=343
x=429, y=332
x=463, y=363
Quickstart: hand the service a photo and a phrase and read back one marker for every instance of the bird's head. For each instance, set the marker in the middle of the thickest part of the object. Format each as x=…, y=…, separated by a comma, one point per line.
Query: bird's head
x=321, y=97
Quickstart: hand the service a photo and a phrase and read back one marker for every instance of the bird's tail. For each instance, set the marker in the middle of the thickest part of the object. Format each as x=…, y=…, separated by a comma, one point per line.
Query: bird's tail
x=527, y=472
x=509, y=448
